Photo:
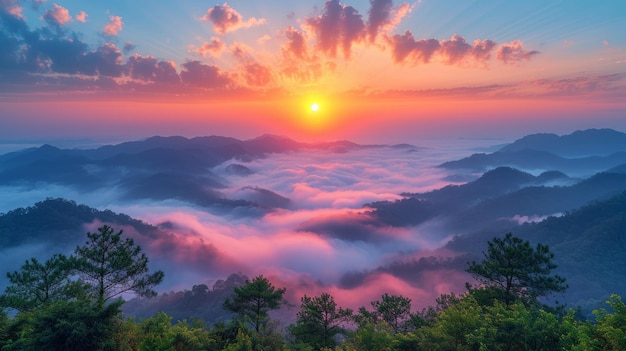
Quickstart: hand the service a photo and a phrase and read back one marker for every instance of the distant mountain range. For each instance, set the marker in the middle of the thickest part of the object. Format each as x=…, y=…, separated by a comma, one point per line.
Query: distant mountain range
x=161, y=168
x=581, y=153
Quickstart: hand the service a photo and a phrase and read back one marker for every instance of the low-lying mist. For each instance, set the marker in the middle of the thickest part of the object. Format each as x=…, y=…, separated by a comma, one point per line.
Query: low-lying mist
x=319, y=237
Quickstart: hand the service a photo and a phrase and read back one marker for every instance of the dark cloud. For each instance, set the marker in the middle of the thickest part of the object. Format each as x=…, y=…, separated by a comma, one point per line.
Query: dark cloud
x=198, y=74
x=347, y=226
x=107, y=61
x=150, y=69
x=128, y=47
x=338, y=27
x=42, y=51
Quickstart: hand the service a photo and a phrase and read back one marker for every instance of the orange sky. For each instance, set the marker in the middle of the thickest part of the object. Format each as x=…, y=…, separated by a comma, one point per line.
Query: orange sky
x=380, y=71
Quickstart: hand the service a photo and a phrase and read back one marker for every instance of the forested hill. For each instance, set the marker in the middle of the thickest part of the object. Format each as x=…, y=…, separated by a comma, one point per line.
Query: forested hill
x=581, y=153
x=588, y=244
x=201, y=302
x=58, y=221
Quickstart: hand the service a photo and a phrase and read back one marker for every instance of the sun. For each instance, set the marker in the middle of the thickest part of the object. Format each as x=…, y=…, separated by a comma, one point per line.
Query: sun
x=315, y=107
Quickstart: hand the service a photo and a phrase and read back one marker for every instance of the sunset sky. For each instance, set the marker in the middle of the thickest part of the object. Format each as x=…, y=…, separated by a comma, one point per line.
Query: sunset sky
x=379, y=70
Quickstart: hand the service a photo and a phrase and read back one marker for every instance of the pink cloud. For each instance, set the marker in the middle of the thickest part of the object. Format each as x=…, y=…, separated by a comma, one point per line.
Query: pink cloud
x=15, y=10
x=57, y=15
x=457, y=50
x=404, y=46
x=379, y=15
x=383, y=17
x=81, y=17
x=514, y=52
x=264, y=38
x=114, y=26
x=213, y=47
x=338, y=27
x=296, y=43
x=257, y=75
x=482, y=49
x=226, y=19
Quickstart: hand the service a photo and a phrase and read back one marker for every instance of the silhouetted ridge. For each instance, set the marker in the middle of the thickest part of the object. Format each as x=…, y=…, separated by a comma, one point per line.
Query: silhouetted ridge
x=582, y=143
x=57, y=220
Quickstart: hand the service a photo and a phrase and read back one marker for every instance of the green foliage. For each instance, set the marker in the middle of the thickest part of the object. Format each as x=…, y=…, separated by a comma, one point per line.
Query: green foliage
x=513, y=270
x=319, y=321
x=56, y=220
x=453, y=328
x=395, y=310
x=609, y=332
x=242, y=343
x=112, y=266
x=513, y=327
x=254, y=300
x=38, y=284
x=199, y=302
x=369, y=337
x=63, y=325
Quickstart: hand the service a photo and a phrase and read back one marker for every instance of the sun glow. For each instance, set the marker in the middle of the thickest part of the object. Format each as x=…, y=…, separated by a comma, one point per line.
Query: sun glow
x=315, y=107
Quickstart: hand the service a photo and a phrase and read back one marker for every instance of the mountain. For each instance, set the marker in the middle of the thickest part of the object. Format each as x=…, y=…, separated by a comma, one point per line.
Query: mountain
x=588, y=244
x=60, y=222
x=582, y=143
x=463, y=204
x=539, y=201
x=158, y=168
x=199, y=303
x=580, y=153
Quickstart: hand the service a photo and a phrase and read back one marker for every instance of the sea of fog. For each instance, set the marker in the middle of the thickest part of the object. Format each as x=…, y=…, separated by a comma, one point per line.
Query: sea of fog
x=326, y=190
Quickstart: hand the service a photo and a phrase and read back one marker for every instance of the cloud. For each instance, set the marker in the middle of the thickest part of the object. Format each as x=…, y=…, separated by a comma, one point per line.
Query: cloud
x=383, y=17
x=405, y=47
x=128, y=47
x=213, y=47
x=378, y=16
x=81, y=17
x=514, y=52
x=57, y=16
x=198, y=74
x=582, y=85
x=455, y=51
x=321, y=239
x=12, y=8
x=296, y=43
x=105, y=61
x=257, y=75
x=337, y=28
x=148, y=68
x=263, y=38
x=37, y=3
x=226, y=19
x=114, y=26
